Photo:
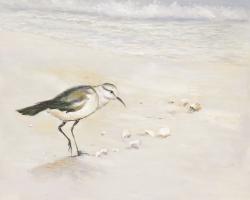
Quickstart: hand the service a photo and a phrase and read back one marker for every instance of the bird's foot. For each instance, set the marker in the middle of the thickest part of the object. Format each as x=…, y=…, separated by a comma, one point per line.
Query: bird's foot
x=79, y=153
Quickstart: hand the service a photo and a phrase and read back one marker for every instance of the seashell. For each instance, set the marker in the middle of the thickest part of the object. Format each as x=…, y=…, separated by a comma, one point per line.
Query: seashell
x=163, y=132
x=195, y=107
x=104, y=151
x=126, y=134
x=30, y=125
x=98, y=154
x=150, y=132
x=101, y=152
x=135, y=144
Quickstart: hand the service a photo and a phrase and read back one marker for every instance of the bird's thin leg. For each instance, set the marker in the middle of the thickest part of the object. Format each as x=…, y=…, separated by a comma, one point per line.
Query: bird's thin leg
x=69, y=142
x=72, y=132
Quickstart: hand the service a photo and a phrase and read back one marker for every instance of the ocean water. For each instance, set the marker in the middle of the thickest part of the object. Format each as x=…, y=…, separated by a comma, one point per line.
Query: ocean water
x=182, y=31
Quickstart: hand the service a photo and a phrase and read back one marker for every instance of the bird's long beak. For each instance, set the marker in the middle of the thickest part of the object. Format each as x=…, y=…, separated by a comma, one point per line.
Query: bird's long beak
x=119, y=99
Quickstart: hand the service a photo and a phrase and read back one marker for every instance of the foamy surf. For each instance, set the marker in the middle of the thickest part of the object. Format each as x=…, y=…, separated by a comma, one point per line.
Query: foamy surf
x=153, y=10
x=164, y=29
x=172, y=11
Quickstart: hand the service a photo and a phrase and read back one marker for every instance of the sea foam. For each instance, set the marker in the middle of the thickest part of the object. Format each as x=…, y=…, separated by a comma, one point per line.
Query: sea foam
x=153, y=10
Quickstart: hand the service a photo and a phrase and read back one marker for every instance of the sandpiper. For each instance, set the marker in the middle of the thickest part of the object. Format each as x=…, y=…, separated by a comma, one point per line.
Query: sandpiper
x=75, y=104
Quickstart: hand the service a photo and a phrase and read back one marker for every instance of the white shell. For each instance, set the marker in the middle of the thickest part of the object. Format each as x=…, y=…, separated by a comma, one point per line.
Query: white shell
x=98, y=154
x=104, y=151
x=163, y=132
x=101, y=152
x=30, y=125
x=150, y=132
x=126, y=134
x=194, y=107
x=135, y=144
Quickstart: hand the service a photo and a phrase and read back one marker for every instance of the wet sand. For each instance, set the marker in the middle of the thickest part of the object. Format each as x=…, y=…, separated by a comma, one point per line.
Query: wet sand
x=207, y=155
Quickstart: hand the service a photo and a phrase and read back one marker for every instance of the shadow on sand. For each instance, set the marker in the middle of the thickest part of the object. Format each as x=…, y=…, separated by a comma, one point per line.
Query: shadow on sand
x=72, y=167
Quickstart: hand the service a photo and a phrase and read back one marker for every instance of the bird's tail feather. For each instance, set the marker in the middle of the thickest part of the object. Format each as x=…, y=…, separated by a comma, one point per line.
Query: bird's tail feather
x=35, y=109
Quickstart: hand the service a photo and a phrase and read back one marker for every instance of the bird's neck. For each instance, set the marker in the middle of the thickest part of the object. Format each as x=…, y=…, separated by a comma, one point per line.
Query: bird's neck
x=102, y=99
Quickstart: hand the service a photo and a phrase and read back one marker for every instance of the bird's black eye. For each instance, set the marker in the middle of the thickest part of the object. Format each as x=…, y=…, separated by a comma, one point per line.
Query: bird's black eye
x=111, y=92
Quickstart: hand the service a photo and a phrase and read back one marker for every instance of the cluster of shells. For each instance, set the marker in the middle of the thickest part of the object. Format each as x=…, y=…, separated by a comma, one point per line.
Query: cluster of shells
x=164, y=132
x=130, y=143
x=188, y=105
x=135, y=144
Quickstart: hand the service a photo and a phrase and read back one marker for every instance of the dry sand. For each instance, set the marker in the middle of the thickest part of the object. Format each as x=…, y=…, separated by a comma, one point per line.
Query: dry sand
x=207, y=155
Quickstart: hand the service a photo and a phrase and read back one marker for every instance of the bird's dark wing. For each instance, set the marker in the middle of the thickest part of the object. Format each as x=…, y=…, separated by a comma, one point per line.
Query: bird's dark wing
x=72, y=99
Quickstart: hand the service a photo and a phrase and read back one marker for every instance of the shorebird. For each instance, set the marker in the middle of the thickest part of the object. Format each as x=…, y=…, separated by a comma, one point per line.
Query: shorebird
x=75, y=104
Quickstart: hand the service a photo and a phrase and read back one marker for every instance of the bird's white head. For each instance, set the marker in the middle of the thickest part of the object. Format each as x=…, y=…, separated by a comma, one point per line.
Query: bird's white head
x=110, y=92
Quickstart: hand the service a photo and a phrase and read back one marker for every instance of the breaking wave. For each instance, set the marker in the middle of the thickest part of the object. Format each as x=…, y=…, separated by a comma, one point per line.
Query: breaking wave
x=132, y=9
